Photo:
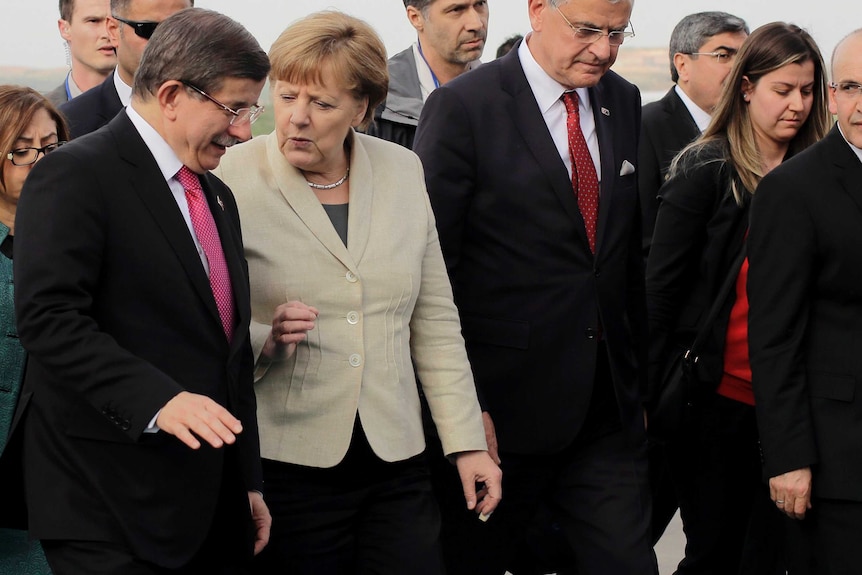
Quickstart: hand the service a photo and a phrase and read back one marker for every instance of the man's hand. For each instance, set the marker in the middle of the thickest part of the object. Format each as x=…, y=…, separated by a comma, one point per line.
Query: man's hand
x=262, y=520
x=478, y=467
x=791, y=492
x=189, y=414
x=491, y=437
x=290, y=323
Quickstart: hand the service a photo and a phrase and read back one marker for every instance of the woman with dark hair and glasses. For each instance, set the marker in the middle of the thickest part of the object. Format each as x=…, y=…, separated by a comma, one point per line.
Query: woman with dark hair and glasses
x=30, y=127
x=773, y=105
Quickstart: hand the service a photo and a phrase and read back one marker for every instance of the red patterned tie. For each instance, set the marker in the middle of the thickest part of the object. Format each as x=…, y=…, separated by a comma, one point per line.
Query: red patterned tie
x=584, y=180
x=207, y=233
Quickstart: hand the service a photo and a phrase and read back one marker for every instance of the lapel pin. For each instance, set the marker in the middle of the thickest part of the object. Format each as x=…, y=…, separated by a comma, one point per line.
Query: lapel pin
x=606, y=112
x=220, y=203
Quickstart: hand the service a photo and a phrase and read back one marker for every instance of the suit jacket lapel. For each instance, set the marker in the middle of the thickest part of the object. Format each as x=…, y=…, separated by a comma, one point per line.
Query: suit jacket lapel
x=530, y=123
x=848, y=167
x=681, y=124
x=361, y=198
x=145, y=178
x=609, y=163
x=232, y=255
x=111, y=103
x=305, y=204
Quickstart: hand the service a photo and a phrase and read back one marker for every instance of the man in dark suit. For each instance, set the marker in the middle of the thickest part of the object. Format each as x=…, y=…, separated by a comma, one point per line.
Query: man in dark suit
x=549, y=285
x=805, y=325
x=140, y=446
x=702, y=49
x=130, y=25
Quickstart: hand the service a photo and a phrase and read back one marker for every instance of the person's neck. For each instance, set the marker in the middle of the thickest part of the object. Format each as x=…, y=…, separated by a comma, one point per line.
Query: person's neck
x=126, y=76
x=771, y=153
x=7, y=217
x=444, y=70
x=86, y=78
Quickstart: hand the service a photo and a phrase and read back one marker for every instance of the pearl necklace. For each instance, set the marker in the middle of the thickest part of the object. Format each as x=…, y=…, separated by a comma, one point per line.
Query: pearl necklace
x=329, y=186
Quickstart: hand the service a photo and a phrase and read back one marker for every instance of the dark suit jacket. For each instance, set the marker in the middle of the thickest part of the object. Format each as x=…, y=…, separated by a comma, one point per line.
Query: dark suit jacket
x=92, y=109
x=699, y=232
x=666, y=128
x=529, y=291
x=805, y=320
x=117, y=314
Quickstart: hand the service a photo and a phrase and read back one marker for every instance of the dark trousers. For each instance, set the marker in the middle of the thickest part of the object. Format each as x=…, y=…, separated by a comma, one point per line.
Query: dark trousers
x=596, y=490
x=828, y=541
x=363, y=516
x=731, y=526
x=664, y=501
x=226, y=550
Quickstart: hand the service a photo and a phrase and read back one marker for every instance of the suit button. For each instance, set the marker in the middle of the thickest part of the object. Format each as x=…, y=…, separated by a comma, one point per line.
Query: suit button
x=352, y=318
x=355, y=360
x=125, y=426
x=591, y=333
x=597, y=272
x=351, y=277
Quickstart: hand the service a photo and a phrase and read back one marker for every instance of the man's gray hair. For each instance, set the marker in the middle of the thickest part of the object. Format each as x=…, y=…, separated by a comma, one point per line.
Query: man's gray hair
x=200, y=47
x=694, y=30
x=421, y=5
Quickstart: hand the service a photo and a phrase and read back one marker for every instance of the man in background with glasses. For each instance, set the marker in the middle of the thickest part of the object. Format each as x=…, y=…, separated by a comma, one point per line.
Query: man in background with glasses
x=805, y=325
x=130, y=25
x=530, y=163
x=702, y=49
x=140, y=443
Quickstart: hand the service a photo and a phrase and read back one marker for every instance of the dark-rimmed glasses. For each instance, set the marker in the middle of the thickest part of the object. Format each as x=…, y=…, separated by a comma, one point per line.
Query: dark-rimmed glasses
x=142, y=29
x=725, y=57
x=241, y=116
x=27, y=156
x=847, y=89
x=587, y=35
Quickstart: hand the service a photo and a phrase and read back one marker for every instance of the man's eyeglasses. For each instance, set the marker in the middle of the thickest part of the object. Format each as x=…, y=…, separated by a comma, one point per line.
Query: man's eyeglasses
x=241, y=116
x=27, y=156
x=725, y=57
x=142, y=29
x=588, y=35
x=847, y=89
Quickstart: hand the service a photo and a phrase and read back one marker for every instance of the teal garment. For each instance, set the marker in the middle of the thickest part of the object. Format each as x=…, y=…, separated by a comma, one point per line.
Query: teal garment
x=18, y=555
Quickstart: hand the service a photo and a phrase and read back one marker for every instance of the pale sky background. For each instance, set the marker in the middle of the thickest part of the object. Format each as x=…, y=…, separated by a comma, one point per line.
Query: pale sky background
x=29, y=37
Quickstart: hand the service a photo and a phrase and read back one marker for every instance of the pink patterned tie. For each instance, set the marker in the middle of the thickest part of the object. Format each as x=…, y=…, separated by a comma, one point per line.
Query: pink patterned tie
x=207, y=233
x=584, y=180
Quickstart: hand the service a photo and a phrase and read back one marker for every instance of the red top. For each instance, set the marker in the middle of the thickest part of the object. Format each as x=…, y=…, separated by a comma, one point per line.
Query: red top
x=736, y=380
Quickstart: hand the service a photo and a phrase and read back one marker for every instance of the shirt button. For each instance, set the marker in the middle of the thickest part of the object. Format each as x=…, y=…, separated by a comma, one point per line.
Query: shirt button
x=355, y=360
x=352, y=318
x=351, y=277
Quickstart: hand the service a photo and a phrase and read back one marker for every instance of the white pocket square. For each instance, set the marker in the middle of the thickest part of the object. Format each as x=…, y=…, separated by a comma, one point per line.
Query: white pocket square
x=627, y=168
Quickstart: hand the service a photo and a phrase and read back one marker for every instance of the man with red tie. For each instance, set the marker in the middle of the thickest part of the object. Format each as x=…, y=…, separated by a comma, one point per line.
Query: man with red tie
x=140, y=447
x=530, y=163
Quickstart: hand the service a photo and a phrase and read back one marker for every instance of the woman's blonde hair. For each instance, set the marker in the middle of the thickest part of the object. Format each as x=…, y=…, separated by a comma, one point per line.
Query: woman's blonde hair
x=332, y=40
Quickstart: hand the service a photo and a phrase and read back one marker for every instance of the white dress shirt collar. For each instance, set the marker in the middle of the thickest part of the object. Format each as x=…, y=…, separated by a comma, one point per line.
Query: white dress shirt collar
x=547, y=93
x=700, y=117
x=124, y=91
x=166, y=158
x=857, y=151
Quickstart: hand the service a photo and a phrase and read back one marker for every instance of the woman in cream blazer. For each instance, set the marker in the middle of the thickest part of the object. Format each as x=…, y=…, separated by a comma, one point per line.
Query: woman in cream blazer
x=344, y=308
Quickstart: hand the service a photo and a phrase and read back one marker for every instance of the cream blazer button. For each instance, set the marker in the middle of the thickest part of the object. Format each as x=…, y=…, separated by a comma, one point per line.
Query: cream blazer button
x=355, y=360
x=352, y=318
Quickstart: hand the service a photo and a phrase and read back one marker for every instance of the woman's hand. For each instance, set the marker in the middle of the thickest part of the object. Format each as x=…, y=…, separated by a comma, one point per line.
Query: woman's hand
x=290, y=324
x=477, y=467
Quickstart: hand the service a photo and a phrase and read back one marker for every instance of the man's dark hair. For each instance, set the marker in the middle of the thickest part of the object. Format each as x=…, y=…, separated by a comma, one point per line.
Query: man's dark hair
x=66, y=9
x=507, y=45
x=200, y=47
x=420, y=5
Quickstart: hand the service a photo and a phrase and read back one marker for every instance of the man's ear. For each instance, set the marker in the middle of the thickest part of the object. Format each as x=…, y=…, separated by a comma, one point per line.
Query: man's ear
x=417, y=20
x=63, y=27
x=170, y=96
